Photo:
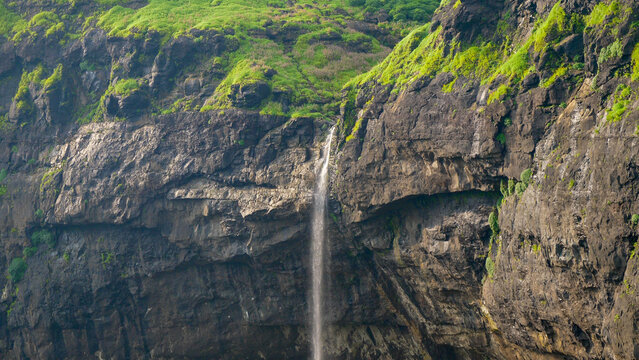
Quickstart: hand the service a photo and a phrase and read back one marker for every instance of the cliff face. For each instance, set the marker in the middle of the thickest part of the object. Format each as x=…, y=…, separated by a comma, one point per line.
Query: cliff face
x=482, y=198
x=559, y=109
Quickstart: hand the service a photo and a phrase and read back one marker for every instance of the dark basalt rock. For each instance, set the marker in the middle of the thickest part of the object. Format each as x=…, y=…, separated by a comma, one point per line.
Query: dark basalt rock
x=249, y=95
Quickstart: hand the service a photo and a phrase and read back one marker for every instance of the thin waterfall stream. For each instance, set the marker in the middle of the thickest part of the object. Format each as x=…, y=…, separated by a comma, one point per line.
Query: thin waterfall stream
x=318, y=240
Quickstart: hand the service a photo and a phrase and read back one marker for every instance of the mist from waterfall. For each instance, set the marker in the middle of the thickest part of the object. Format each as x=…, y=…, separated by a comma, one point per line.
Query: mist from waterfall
x=318, y=252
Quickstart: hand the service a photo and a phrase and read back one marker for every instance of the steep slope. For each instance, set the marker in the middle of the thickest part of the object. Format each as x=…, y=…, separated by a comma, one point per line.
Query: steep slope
x=538, y=105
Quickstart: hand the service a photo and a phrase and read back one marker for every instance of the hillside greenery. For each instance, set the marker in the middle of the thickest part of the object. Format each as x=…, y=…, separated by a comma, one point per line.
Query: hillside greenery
x=310, y=53
x=500, y=62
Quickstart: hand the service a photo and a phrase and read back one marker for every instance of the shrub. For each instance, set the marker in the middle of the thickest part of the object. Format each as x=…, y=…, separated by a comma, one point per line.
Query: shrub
x=43, y=236
x=511, y=186
x=525, y=176
x=17, y=268
x=29, y=251
x=490, y=267
x=503, y=188
x=501, y=138
x=634, y=220
x=612, y=51
x=493, y=222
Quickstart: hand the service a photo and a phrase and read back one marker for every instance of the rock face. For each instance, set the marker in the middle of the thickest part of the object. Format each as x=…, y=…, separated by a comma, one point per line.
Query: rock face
x=185, y=235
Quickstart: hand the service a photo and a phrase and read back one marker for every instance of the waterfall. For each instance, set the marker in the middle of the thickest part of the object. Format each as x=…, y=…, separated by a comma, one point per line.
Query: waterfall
x=318, y=237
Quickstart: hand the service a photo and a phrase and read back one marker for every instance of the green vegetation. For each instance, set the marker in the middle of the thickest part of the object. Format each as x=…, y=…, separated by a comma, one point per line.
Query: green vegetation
x=29, y=251
x=601, y=12
x=48, y=177
x=17, y=268
x=401, y=10
x=634, y=220
x=552, y=26
x=125, y=87
x=423, y=53
x=54, y=79
x=536, y=248
x=244, y=73
x=612, y=51
x=493, y=222
x=46, y=22
x=556, y=75
x=43, y=236
x=9, y=21
x=622, y=98
x=325, y=54
x=526, y=176
x=309, y=68
x=498, y=94
x=3, y=188
x=635, y=63
x=517, y=187
x=23, y=96
x=35, y=77
x=106, y=258
x=490, y=267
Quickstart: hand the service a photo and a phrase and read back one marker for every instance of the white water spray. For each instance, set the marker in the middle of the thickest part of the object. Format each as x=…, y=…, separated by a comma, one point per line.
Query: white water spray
x=318, y=236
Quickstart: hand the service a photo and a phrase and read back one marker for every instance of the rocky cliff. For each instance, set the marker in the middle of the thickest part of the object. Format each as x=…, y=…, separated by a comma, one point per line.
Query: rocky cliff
x=155, y=190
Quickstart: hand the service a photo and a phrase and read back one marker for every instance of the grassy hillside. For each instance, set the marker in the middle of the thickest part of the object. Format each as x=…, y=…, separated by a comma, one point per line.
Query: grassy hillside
x=308, y=49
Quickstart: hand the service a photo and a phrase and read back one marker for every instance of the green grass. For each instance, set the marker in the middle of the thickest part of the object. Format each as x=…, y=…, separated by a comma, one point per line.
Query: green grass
x=244, y=72
x=125, y=87
x=312, y=71
x=612, y=51
x=635, y=63
x=401, y=10
x=9, y=21
x=622, y=99
x=556, y=75
x=550, y=27
x=52, y=80
x=47, y=23
x=423, y=53
x=498, y=94
x=601, y=11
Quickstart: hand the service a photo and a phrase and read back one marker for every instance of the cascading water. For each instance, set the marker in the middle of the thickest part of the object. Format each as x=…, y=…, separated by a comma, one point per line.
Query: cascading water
x=318, y=237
